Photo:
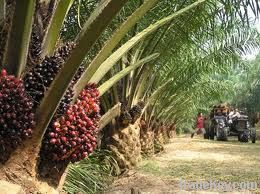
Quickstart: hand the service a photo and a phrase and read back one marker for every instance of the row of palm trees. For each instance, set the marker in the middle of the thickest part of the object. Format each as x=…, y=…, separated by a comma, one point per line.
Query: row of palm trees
x=167, y=54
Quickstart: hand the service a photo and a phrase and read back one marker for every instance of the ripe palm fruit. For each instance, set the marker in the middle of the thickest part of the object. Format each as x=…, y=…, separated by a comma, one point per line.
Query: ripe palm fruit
x=68, y=96
x=16, y=114
x=39, y=78
x=72, y=137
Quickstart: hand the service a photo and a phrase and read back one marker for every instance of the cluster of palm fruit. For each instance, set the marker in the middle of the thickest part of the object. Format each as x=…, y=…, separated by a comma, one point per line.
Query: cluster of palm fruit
x=16, y=114
x=136, y=111
x=68, y=96
x=126, y=117
x=35, y=50
x=72, y=136
x=39, y=78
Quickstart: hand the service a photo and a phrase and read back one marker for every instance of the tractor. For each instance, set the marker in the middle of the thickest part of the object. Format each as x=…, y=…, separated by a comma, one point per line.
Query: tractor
x=221, y=128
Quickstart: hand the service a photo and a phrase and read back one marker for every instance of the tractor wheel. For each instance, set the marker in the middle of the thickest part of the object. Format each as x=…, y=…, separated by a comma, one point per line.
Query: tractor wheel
x=253, y=135
x=243, y=137
x=238, y=137
x=211, y=133
x=222, y=135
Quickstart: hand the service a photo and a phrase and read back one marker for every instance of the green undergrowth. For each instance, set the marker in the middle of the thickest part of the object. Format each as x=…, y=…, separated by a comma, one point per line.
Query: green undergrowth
x=93, y=174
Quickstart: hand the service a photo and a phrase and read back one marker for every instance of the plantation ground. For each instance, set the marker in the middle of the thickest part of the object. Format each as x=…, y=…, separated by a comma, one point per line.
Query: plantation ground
x=191, y=160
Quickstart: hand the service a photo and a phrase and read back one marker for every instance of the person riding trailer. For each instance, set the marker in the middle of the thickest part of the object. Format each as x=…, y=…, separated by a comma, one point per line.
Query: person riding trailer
x=234, y=114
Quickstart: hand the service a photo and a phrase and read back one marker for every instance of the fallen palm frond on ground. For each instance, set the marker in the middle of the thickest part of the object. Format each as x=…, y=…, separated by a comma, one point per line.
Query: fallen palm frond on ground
x=92, y=174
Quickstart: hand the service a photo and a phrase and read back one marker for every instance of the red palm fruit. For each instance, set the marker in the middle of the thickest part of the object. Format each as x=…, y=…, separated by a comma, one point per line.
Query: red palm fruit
x=57, y=130
x=67, y=123
x=75, y=107
x=73, y=143
x=73, y=133
x=51, y=134
x=88, y=145
x=64, y=139
x=93, y=139
x=69, y=111
x=72, y=127
x=94, y=144
x=56, y=124
x=85, y=154
x=79, y=140
x=15, y=109
x=65, y=129
x=81, y=127
x=53, y=141
x=90, y=150
x=70, y=117
x=64, y=151
x=58, y=142
x=88, y=135
x=3, y=73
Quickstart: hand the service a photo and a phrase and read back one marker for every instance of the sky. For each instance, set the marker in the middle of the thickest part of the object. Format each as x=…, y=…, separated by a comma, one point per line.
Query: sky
x=257, y=24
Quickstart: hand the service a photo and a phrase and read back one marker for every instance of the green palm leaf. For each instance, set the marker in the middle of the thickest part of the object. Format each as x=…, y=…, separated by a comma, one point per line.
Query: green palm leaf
x=19, y=37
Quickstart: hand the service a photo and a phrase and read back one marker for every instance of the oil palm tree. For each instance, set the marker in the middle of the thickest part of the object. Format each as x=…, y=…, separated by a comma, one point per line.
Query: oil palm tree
x=31, y=39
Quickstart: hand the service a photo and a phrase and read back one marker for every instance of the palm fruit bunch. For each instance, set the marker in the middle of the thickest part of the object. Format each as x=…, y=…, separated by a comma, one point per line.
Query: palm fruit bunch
x=64, y=51
x=78, y=74
x=16, y=114
x=72, y=137
x=39, y=78
x=35, y=50
x=136, y=111
x=124, y=118
x=68, y=96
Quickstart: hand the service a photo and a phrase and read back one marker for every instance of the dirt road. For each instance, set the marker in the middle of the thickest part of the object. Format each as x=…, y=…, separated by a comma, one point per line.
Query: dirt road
x=193, y=160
